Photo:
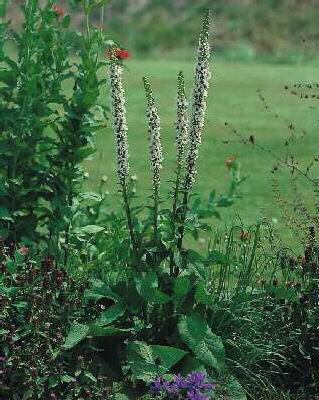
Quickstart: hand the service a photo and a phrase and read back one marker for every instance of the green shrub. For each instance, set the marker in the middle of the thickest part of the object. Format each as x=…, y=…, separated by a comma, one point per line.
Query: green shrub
x=45, y=133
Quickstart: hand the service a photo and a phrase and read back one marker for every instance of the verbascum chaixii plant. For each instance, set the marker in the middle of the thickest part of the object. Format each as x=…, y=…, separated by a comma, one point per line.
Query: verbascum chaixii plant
x=120, y=130
x=188, y=139
x=155, y=148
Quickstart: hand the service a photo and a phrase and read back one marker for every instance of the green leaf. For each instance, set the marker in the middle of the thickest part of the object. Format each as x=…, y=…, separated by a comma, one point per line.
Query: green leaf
x=76, y=334
x=199, y=338
x=90, y=229
x=224, y=201
x=111, y=314
x=90, y=376
x=190, y=364
x=4, y=214
x=67, y=379
x=66, y=21
x=202, y=296
x=120, y=396
x=146, y=286
x=217, y=257
x=182, y=286
x=234, y=389
x=3, y=8
x=100, y=290
x=146, y=362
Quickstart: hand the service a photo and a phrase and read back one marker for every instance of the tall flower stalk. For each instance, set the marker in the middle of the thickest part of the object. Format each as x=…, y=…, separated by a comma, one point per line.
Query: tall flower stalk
x=120, y=130
x=155, y=148
x=181, y=142
x=198, y=109
x=181, y=136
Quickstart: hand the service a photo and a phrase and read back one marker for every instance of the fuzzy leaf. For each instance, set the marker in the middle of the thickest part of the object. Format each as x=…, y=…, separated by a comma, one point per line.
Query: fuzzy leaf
x=199, y=338
x=146, y=362
x=182, y=286
x=76, y=334
x=146, y=286
x=111, y=314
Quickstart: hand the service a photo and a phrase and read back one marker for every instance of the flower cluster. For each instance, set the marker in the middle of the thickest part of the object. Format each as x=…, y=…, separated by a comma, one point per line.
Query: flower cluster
x=193, y=387
x=154, y=128
x=200, y=91
x=119, y=122
x=181, y=120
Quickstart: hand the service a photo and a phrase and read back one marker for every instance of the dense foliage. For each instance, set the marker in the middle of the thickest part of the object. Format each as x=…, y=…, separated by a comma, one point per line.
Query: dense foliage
x=98, y=302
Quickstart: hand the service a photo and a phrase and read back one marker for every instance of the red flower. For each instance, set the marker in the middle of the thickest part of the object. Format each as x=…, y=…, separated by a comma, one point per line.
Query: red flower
x=243, y=235
x=58, y=10
x=229, y=161
x=118, y=53
x=24, y=250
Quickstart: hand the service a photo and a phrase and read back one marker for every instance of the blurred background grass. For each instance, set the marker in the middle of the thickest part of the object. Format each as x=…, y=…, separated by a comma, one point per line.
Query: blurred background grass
x=244, y=30
x=257, y=44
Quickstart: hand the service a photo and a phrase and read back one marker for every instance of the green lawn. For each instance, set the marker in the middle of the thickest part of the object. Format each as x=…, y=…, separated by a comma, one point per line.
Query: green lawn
x=233, y=98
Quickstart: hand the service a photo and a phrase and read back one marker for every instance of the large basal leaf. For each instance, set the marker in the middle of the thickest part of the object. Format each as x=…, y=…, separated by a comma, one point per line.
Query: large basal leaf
x=205, y=345
x=76, y=334
x=146, y=285
x=146, y=362
x=111, y=314
x=234, y=389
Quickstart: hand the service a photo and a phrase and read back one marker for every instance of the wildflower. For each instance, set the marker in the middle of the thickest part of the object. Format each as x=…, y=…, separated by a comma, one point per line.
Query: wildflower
x=243, y=235
x=155, y=147
x=24, y=250
x=200, y=91
x=159, y=385
x=193, y=387
x=196, y=380
x=181, y=121
x=229, y=162
x=120, y=54
x=119, y=122
x=59, y=11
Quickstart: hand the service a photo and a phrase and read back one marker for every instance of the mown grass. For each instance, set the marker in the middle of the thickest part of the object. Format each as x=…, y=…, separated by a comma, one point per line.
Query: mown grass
x=233, y=98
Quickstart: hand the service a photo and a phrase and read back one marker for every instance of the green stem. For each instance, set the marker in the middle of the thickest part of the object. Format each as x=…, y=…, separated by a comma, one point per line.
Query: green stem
x=130, y=222
x=175, y=202
x=156, y=214
x=181, y=227
x=176, y=191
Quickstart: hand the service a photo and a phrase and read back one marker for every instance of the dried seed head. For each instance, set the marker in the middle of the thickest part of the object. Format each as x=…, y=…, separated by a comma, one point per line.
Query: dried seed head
x=154, y=128
x=181, y=120
x=119, y=122
x=200, y=91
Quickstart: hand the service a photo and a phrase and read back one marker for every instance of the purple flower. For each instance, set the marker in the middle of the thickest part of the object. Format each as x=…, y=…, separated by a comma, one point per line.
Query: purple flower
x=193, y=387
x=180, y=382
x=196, y=380
x=159, y=385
